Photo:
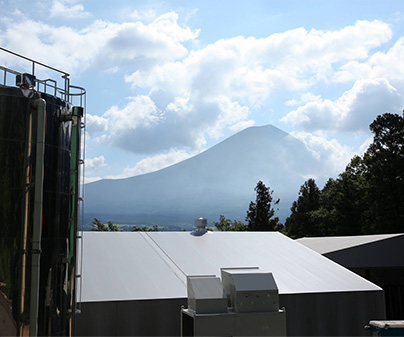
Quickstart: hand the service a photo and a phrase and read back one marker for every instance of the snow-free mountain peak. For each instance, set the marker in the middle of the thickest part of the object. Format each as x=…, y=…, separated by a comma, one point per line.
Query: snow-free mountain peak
x=220, y=180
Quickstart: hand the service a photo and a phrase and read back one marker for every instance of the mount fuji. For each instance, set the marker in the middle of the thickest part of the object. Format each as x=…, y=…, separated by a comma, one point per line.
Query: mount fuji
x=220, y=180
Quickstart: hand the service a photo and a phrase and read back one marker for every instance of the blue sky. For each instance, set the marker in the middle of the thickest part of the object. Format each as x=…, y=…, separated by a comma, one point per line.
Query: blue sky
x=169, y=79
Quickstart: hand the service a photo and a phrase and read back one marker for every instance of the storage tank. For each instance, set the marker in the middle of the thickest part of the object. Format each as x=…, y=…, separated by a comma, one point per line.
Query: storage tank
x=39, y=196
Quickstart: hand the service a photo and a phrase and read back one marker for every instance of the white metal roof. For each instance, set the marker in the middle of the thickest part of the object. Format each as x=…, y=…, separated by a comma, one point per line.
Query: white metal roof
x=329, y=244
x=139, y=265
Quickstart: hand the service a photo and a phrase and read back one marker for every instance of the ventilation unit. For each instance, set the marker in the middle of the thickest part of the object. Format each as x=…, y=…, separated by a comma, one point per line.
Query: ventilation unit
x=245, y=303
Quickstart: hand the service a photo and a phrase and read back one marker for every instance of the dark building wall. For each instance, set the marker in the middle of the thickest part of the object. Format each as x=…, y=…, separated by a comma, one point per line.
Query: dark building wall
x=388, y=253
x=315, y=314
x=332, y=314
x=130, y=318
x=391, y=280
x=382, y=263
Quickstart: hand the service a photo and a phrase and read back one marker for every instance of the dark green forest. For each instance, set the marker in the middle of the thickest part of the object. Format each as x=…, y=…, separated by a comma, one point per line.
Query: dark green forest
x=367, y=198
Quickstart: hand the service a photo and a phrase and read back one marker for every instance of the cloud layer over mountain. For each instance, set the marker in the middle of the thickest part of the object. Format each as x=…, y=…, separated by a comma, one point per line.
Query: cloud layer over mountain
x=176, y=93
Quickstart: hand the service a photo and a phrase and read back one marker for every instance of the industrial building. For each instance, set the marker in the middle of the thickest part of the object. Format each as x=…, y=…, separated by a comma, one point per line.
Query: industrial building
x=378, y=258
x=56, y=280
x=135, y=283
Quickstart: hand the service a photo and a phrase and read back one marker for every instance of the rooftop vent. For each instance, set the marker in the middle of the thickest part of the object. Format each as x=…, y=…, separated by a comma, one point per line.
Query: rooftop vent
x=200, y=227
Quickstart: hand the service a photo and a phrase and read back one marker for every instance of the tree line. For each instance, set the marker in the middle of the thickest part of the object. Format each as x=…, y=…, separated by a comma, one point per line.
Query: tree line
x=99, y=226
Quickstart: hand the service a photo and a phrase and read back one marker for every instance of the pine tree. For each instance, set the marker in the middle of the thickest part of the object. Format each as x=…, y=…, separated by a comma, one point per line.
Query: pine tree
x=303, y=220
x=384, y=162
x=227, y=225
x=260, y=214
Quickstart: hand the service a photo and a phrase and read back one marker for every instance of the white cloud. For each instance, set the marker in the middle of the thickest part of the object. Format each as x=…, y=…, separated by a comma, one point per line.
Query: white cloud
x=353, y=111
x=102, y=44
x=190, y=95
x=146, y=15
x=387, y=64
x=154, y=163
x=139, y=115
x=136, y=44
x=251, y=68
x=232, y=115
x=304, y=98
x=68, y=9
x=213, y=90
x=140, y=112
x=96, y=124
x=365, y=145
x=61, y=47
x=330, y=153
x=93, y=165
x=141, y=127
x=88, y=180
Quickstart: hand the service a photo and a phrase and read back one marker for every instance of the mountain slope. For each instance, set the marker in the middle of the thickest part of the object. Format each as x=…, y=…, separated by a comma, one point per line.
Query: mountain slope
x=220, y=180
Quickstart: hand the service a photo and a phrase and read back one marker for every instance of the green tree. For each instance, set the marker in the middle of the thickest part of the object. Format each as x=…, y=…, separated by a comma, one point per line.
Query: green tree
x=367, y=198
x=154, y=228
x=384, y=163
x=344, y=200
x=260, y=214
x=304, y=219
x=112, y=227
x=228, y=225
x=98, y=226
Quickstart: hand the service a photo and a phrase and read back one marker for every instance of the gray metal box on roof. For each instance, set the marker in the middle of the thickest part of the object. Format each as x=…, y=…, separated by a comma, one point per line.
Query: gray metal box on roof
x=250, y=289
x=206, y=295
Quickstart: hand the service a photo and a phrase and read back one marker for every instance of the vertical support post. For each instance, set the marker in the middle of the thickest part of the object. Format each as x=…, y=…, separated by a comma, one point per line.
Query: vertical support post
x=40, y=106
x=77, y=114
x=67, y=87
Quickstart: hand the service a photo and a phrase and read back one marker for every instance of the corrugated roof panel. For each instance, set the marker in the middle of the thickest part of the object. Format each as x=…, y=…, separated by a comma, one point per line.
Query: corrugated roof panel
x=136, y=265
x=296, y=269
x=122, y=266
x=329, y=244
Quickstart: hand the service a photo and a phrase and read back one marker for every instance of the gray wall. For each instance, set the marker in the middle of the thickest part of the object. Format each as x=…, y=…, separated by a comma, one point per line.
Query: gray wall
x=332, y=314
x=382, y=263
x=130, y=318
x=315, y=314
x=386, y=253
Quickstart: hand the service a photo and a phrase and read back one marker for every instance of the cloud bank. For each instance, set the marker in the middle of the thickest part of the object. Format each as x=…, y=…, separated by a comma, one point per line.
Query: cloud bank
x=185, y=94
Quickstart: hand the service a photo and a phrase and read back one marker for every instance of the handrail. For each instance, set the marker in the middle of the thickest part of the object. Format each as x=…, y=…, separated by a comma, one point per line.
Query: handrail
x=65, y=92
x=35, y=62
x=65, y=75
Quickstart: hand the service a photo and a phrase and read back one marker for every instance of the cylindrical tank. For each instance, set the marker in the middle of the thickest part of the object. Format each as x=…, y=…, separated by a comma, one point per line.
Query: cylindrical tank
x=18, y=129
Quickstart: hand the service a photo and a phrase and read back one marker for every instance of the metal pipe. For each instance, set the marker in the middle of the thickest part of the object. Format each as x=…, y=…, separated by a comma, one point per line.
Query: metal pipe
x=40, y=106
x=23, y=284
